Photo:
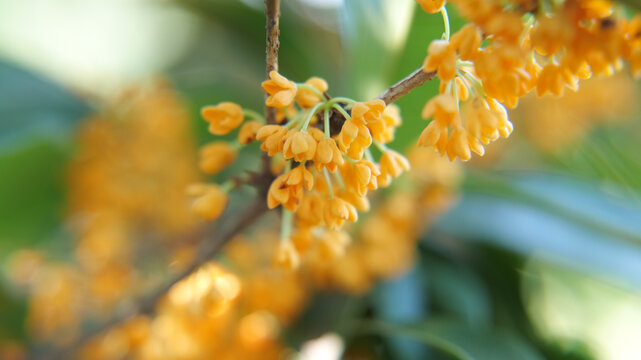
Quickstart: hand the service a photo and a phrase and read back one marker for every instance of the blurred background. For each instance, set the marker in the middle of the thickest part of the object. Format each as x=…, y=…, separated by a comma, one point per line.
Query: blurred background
x=538, y=254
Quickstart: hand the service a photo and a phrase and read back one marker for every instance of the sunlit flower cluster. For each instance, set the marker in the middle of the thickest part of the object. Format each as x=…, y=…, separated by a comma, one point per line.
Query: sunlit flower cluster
x=322, y=178
x=126, y=196
x=135, y=185
x=553, y=123
x=508, y=50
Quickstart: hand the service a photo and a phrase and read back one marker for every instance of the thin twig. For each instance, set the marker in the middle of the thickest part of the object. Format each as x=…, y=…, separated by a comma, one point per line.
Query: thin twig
x=272, y=31
x=272, y=44
x=403, y=87
x=417, y=78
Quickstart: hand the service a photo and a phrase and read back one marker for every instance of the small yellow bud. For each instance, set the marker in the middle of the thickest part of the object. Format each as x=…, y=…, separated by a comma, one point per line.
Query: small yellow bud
x=307, y=98
x=281, y=91
x=223, y=118
x=216, y=156
x=210, y=201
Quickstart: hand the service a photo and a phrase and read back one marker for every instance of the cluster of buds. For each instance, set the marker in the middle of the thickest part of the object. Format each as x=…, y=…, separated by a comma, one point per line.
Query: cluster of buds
x=210, y=200
x=322, y=176
x=544, y=48
x=320, y=146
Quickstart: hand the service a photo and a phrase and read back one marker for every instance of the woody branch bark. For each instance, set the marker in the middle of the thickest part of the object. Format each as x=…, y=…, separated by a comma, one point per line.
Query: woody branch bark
x=272, y=42
x=272, y=12
x=213, y=244
x=403, y=87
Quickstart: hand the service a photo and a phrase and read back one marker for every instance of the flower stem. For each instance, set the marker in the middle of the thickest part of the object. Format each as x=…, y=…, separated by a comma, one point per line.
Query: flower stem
x=326, y=123
x=253, y=115
x=329, y=183
x=338, y=99
x=287, y=221
x=310, y=115
x=380, y=146
x=342, y=111
x=310, y=88
x=446, y=23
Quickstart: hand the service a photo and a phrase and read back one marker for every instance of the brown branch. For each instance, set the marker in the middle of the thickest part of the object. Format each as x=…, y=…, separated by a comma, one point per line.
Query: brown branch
x=417, y=78
x=147, y=304
x=272, y=31
x=403, y=87
x=272, y=44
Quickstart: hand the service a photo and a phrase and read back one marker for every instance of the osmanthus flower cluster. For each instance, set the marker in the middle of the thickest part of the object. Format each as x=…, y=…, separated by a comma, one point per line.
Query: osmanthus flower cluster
x=233, y=311
x=509, y=49
x=322, y=178
x=145, y=135
x=239, y=311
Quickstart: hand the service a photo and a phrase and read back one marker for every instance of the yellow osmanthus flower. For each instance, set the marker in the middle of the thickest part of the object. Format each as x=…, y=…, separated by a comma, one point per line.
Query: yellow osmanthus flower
x=467, y=41
x=360, y=177
x=308, y=98
x=223, y=118
x=337, y=211
x=441, y=57
x=287, y=256
x=354, y=138
x=328, y=155
x=209, y=291
x=355, y=135
x=366, y=112
x=554, y=123
x=210, y=200
x=483, y=121
x=431, y=6
x=287, y=189
x=333, y=244
x=506, y=72
x=282, y=92
x=554, y=79
x=393, y=164
x=310, y=212
x=299, y=145
x=384, y=128
x=361, y=203
x=216, y=156
x=248, y=131
x=370, y=255
x=443, y=109
x=273, y=138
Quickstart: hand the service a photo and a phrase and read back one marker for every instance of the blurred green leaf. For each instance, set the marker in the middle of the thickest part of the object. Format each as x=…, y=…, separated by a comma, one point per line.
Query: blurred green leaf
x=375, y=32
x=31, y=194
x=459, y=291
x=566, y=220
x=12, y=316
x=33, y=106
x=36, y=115
x=462, y=341
x=401, y=300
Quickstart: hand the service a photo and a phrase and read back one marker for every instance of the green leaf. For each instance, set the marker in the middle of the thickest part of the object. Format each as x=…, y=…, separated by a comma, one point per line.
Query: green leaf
x=565, y=220
x=459, y=291
x=12, y=316
x=32, y=106
x=462, y=341
x=31, y=193
x=375, y=33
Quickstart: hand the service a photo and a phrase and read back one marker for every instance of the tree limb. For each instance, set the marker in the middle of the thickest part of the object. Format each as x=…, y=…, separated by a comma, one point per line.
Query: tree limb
x=403, y=87
x=272, y=31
